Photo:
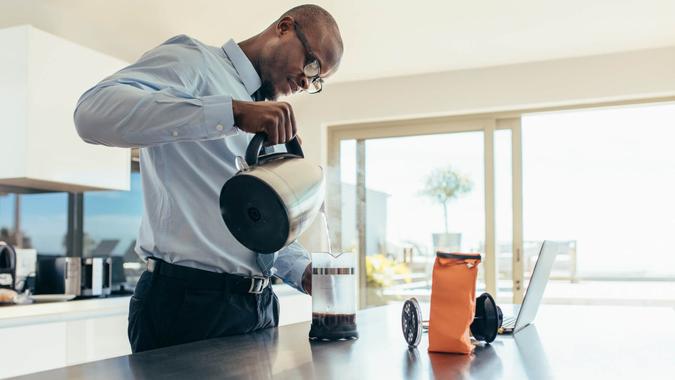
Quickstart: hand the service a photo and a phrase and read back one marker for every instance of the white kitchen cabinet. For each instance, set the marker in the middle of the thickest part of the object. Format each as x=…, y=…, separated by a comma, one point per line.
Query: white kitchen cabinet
x=45, y=336
x=41, y=78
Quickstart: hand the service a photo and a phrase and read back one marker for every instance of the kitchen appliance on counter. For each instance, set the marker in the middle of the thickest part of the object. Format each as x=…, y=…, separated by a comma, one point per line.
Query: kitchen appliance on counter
x=79, y=276
x=48, y=276
x=273, y=198
x=333, y=296
x=7, y=265
x=26, y=259
x=119, y=284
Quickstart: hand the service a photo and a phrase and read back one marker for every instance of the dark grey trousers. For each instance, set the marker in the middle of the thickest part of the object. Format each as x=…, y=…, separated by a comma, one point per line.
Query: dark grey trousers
x=166, y=311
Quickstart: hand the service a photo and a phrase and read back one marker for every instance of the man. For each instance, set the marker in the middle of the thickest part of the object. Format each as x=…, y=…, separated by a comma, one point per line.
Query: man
x=192, y=109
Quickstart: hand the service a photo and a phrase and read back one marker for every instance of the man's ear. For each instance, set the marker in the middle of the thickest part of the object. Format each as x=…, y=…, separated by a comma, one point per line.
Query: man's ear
x=285, y=25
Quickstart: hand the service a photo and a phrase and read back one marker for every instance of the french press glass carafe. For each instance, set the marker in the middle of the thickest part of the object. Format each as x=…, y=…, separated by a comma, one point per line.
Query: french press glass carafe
x=333, y=294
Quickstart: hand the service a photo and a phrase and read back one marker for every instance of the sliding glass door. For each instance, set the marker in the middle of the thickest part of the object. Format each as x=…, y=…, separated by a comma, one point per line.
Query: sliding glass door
x=398, y=195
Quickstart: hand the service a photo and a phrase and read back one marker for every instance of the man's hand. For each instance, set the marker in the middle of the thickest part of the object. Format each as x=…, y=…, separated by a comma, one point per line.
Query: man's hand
x=307, y=279
x=276, y=119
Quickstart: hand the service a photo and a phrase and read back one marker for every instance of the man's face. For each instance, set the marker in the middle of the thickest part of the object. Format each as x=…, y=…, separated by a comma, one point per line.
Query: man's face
x=281, y=67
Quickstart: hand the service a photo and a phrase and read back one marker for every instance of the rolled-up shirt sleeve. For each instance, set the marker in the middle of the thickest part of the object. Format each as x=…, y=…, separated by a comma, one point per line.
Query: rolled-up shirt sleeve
x=290, y=265
x=151, y=103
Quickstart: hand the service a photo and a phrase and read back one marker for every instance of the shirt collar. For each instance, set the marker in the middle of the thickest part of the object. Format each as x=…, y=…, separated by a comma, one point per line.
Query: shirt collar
x=244, y=67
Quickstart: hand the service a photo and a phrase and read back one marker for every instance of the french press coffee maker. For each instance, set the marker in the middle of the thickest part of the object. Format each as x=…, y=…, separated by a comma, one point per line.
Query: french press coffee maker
x=333, y=293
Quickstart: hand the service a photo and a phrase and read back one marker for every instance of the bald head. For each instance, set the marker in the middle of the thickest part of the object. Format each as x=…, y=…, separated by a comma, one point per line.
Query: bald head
x=301, y=48
x=317, y=20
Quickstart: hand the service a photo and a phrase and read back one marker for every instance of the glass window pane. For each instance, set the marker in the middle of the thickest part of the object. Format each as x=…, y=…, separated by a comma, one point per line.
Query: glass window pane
x=44, y=222
x=7, y=217
x=111, y=222
x=404, y=226
x=602, y=180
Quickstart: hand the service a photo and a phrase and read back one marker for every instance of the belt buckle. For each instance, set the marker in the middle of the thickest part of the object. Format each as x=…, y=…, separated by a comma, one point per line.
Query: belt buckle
x=258, y=284
x=150, y=264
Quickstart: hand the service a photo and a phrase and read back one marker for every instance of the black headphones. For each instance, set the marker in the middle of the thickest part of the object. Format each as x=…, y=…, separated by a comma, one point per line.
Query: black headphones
x=487, y=320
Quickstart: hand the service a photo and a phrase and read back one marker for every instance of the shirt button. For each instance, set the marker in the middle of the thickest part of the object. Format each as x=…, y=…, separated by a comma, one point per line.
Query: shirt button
x=174, y=133
x=220, y=127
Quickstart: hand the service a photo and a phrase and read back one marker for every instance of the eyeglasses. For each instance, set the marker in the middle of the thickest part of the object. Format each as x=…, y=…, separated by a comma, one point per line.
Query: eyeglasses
x=312, y=69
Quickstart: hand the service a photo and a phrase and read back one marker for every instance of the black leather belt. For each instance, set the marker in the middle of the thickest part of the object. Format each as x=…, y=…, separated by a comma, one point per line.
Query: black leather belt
x=202, y=279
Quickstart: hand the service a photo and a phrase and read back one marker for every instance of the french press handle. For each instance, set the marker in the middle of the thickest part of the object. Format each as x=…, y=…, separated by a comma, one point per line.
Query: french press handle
x=254, y=149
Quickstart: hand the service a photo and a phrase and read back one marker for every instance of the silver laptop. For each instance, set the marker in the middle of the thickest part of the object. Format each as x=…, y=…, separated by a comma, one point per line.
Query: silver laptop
x=524, y=314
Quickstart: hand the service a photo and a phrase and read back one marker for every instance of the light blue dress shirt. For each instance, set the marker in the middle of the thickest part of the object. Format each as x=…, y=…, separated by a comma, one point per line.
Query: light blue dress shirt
x=175, y=103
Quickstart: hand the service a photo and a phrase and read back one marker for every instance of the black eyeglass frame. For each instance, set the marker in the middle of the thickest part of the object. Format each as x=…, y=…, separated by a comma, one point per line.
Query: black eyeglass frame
x=311, y=58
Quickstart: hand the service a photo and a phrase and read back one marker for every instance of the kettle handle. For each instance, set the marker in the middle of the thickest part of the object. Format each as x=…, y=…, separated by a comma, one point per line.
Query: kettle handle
x=256, y=144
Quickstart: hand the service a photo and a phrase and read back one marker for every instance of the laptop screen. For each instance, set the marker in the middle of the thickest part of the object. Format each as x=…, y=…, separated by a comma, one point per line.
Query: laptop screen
x=535, y=290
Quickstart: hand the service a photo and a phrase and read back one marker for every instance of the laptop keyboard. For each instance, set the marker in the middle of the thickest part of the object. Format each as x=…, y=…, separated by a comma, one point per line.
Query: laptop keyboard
x=509, y=322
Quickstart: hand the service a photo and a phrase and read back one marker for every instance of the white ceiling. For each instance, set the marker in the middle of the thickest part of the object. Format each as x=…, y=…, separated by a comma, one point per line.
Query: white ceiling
x=382, y=37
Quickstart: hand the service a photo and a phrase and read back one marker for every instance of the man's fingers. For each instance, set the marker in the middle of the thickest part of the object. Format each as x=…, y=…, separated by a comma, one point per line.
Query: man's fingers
x=289, y=131
x=299, y=139
x=272, y=134
x=276, y=119
x=288, y=121
x=281, y=128
x=294, y=128
x=290, y=116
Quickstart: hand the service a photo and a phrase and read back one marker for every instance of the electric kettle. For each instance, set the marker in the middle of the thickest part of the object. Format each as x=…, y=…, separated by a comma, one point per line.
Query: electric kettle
x=273, y=198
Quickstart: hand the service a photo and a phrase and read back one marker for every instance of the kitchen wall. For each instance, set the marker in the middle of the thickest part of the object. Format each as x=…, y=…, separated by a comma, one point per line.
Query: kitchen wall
x=613, y=77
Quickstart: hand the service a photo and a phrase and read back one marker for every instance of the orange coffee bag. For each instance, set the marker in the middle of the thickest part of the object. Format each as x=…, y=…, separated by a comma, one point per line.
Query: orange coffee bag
x=453, y=302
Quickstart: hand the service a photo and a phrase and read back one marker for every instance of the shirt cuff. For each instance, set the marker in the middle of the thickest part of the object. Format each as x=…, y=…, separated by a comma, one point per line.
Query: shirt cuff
x=218, y=117
x=290, y=265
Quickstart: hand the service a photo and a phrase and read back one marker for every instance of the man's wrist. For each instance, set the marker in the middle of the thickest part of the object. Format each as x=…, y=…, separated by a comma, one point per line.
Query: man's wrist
x=235, y=113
